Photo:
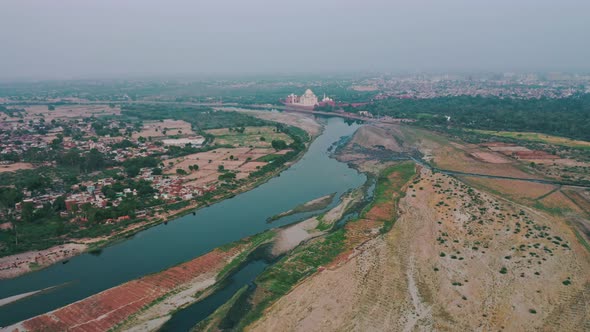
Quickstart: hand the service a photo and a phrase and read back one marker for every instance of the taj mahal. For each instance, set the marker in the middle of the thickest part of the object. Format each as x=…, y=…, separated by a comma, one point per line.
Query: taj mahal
x=308, y=99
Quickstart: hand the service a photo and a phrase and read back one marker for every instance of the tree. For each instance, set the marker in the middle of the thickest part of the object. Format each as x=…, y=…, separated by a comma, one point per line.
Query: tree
x=227, y=176
x=156, y=171
x=279, y=144
x=59, y=204
x=27, y=210
x=180, y=171
x=51, y=107
x=221, y=168
x=9, y=197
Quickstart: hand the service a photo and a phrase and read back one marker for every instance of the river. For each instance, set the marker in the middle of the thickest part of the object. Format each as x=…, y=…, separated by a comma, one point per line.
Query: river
x=166, y=245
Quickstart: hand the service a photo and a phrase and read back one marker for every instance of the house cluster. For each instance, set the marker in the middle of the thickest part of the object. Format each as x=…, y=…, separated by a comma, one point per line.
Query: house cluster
x=507, y=85
x=172, y=188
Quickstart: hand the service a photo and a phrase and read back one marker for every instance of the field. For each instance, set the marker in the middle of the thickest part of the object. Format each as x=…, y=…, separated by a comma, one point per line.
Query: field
x=305, y=122
x=251, y=137
x=537, y=137
x=469, y=158
x=70, y=111
x=15, y=167
x=164, y=128
x=242, y=161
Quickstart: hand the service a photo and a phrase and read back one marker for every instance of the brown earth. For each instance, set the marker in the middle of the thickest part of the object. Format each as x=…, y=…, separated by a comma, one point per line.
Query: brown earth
x=157, y=128
x=402, y=281
x=69, y=111
x=15, y=265
x=518, y=190
x=15, y=167
x=243, y=162
x=490, y=157
x=371, y=137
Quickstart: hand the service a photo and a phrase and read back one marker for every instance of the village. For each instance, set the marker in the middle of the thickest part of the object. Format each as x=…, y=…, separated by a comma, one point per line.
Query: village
x=122, y=169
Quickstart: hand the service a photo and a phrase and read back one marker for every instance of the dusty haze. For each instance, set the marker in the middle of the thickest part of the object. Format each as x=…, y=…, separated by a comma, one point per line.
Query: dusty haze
x=113, y=38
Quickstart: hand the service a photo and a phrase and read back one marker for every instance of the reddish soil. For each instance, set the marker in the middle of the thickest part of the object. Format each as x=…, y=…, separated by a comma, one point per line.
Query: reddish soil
x=496, y=144
x=534, y=155
x=109, y=308
x=489, y=157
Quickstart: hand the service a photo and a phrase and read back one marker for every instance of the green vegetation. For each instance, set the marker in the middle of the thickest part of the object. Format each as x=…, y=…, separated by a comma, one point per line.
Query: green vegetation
x=253, y=242
x=313, y=205
x=248, y=136
x=220, y=314
x=567, y=117
x=269, y=158
x=278, y=279
x=279, y=144
x=201, y=118
x=536, y=137
x=389, y=185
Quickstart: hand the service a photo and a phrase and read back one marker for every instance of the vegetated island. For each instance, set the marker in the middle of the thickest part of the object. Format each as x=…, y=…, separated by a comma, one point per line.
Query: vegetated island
x=313, y=205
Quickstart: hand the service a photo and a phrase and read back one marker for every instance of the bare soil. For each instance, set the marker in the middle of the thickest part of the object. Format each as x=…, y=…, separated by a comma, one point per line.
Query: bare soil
x=15, y=265
x=402, y=281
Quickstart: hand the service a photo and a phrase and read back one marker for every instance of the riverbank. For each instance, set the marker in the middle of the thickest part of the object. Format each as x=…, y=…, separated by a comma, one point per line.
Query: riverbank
x=15, y=265
x=148, y=301
x=23, y=263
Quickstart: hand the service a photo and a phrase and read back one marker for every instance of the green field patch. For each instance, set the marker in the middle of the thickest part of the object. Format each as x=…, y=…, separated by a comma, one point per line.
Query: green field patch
x=259, y=137
x=536, y=137
x=269, y=157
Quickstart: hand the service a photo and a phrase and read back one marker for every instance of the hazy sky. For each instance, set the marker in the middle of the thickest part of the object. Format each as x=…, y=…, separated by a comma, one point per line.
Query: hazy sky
x=115, y=38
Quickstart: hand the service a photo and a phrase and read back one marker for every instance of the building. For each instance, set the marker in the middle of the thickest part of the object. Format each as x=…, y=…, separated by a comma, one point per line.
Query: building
x=308, y=99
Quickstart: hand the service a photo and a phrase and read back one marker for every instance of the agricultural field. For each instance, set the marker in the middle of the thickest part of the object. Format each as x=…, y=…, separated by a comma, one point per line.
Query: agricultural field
x=537, y=137
x=15, y=167
x=212, y=164
x=164, y=128
x=257, y=137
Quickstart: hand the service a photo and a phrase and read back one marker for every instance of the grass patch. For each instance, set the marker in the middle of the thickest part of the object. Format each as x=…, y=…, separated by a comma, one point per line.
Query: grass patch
x=388, y=191
x=254, y=242
x=279, y=279
x=212, y=321
x=249, y=136
x=269, y=158
x=536, y=137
